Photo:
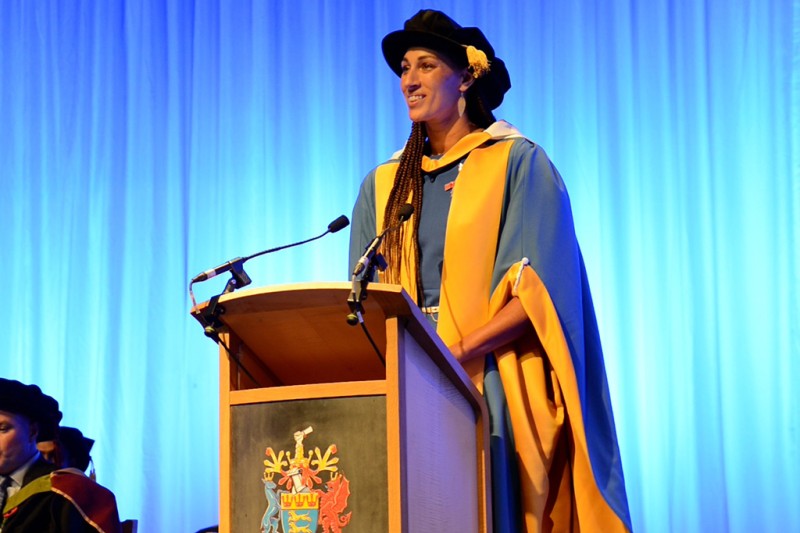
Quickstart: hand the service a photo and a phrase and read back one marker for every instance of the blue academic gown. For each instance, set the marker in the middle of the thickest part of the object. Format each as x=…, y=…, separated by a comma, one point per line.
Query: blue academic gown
x=535, y=223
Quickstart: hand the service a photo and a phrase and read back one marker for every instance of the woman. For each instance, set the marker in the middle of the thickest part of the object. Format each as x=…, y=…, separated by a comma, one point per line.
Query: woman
x=491, y=256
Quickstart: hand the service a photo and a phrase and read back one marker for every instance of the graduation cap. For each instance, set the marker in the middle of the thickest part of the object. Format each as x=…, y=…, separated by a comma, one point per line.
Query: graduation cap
x=76, y=446
x=30, y=402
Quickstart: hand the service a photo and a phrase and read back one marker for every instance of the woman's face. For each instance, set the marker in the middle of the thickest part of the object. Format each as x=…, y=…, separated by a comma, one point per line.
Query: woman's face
x=430, y=86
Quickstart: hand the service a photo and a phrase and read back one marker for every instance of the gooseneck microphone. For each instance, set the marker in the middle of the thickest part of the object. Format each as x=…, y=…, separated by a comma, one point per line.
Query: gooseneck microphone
x=367, y=264
x=239, y=277
x=333, y=227
x=209, y=316
x=404, y=214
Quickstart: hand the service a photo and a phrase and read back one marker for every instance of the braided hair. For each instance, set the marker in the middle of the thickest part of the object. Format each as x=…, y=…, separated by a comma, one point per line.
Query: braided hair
x=408, y=180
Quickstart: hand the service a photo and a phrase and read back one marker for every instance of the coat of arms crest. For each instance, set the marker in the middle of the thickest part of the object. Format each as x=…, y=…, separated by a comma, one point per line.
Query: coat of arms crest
x=300, y=502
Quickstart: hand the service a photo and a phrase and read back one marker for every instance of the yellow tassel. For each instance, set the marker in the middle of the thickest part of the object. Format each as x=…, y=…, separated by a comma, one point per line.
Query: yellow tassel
x=478, y=61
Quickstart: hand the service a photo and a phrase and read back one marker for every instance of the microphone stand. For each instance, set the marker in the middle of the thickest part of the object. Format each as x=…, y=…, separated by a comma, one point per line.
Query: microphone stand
x=210, y=315
x=366, y=267
x=358, y=294
x=371, y=259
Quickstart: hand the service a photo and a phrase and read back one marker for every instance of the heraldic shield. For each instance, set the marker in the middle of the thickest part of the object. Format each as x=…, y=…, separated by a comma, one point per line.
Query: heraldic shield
x=299, y=512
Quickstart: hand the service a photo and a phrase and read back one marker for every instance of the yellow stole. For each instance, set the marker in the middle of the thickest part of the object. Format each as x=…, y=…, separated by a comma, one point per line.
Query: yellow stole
x=472, y=224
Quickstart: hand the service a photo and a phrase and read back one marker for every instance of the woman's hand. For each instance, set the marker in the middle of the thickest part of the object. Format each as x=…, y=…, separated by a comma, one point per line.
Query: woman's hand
x=506, y=327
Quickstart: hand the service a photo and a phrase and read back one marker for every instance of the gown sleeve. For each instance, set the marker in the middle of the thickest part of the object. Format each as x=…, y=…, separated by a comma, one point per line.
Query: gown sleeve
x=537, y=224
x=362, y=229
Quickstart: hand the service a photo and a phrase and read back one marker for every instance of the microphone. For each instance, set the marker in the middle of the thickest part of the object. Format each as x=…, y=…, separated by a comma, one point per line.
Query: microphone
x=234, y=264
x=404, y=214
x=339, y=223
x=224, y=267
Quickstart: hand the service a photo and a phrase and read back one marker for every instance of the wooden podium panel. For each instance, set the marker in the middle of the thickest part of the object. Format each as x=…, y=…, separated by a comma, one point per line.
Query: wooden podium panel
x=410, y=438
x=341, y=421
x=436, y=417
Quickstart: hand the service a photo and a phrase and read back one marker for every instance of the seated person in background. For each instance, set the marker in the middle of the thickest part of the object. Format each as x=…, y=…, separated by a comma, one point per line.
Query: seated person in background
x=35, y=496
x=70, y=449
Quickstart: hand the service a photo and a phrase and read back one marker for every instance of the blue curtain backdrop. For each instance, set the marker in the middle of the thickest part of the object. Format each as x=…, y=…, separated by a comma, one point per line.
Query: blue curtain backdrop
x=142, y=142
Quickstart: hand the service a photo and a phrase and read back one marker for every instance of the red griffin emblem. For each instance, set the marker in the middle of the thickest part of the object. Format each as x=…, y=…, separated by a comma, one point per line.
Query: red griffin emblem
x=332, y=504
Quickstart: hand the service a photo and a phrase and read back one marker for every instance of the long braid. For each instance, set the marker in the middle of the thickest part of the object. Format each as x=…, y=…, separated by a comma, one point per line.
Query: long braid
x=408, y=180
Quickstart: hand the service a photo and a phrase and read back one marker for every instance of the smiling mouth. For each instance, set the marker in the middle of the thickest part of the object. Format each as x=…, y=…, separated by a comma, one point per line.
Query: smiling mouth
x=415, y=98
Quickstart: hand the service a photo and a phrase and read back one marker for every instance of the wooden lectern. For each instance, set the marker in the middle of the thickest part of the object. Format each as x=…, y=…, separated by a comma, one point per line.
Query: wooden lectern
x=310, y=416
